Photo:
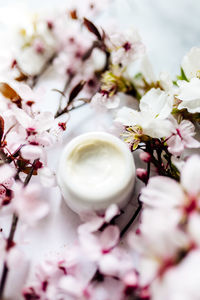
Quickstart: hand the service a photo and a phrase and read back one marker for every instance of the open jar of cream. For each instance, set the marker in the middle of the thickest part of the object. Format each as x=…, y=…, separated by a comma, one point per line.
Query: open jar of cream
x=95, y=170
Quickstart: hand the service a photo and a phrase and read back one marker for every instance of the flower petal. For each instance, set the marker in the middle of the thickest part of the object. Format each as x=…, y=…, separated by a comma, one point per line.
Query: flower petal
x=162, y=192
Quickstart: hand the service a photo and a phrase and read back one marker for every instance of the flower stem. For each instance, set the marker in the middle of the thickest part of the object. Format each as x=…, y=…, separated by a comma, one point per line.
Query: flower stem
x=132, y=219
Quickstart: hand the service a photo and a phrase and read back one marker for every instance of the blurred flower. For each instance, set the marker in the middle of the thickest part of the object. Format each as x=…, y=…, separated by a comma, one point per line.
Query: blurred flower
x=165, y=192
x=191, y=64
x=103, y=100
x=125, y=47
x=93, y=221
x=28, y=205
x=189, y=94
x=158, y=243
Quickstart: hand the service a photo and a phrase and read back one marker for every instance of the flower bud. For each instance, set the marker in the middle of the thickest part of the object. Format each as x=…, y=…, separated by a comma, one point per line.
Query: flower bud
x=131, y=279
x=145, y=156
x=142, y=174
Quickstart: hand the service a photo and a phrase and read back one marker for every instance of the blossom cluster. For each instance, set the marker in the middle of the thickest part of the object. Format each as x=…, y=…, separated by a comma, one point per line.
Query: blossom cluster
x=157, y=260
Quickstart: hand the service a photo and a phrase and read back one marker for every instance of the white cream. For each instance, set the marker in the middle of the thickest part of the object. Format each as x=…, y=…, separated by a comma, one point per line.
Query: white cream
x=95, y=170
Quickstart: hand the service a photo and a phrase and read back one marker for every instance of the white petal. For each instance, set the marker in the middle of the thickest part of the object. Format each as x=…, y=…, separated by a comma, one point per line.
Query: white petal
x=191, y=63
x=111, y=212
x=158, y=102
x=127, y=116
x=190, y=175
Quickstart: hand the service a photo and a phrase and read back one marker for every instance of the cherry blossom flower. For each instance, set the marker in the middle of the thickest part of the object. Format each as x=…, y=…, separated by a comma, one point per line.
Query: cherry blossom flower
x=179, y=282
x=38, y=45
x=111, y=288
x=93, y=221
x=89, y=9
x=163, y=80
x=102, y=100
x=166, y=192
x=125, y=47
x=95, y=247
x=189, y=94
x=35, y=128
x=158, y=242
x=155, y=107
x=28, y=205
x=6, y=173
x=11, y=253
x=117, y=263
x=182, y=137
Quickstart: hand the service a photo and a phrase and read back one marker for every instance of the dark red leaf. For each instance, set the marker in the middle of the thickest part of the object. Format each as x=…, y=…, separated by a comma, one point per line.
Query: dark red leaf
x=1, y=127
x=10, y=93
x=92, y=28
x=75, y=91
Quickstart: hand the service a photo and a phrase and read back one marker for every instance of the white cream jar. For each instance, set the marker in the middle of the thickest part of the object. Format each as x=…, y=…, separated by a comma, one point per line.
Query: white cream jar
x=95, y=170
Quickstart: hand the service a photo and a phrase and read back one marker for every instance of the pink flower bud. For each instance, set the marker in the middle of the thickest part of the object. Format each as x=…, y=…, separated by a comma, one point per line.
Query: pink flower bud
x=131, y=279
x=142, y=174
x=145, y=156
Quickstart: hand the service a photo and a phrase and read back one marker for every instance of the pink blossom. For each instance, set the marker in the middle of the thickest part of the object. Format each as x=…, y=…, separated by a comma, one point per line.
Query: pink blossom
x=11, y=253
x=102, y=101
x=125, y=47
x=110, y=288
x=93, y=221
x=28, y=205
x=32, y=153
x=6, y=172
x=182, y=137
x=117, y=263
x=179, y=282
x=36, y=127
x=47, y=177
x=165, y=192
x=158, y=242
x=97, y=246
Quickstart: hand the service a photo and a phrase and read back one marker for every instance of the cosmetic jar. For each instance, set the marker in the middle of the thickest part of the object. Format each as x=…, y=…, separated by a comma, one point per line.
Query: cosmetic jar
x=95, y=170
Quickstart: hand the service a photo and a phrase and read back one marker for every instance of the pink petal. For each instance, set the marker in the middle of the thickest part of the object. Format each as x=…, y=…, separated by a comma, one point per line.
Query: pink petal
x=175, y=145
x=31, y=152
x=131, y=279
x=6, y=172
x=162, y=192
x=47, y=177
x=109, y=265
x=93, y=225
x=90, y=244
x=109, y=238
x=71, y=285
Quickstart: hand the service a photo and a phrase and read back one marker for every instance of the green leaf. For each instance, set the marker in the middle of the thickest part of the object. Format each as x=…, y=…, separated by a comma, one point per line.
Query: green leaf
x=182, y=76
